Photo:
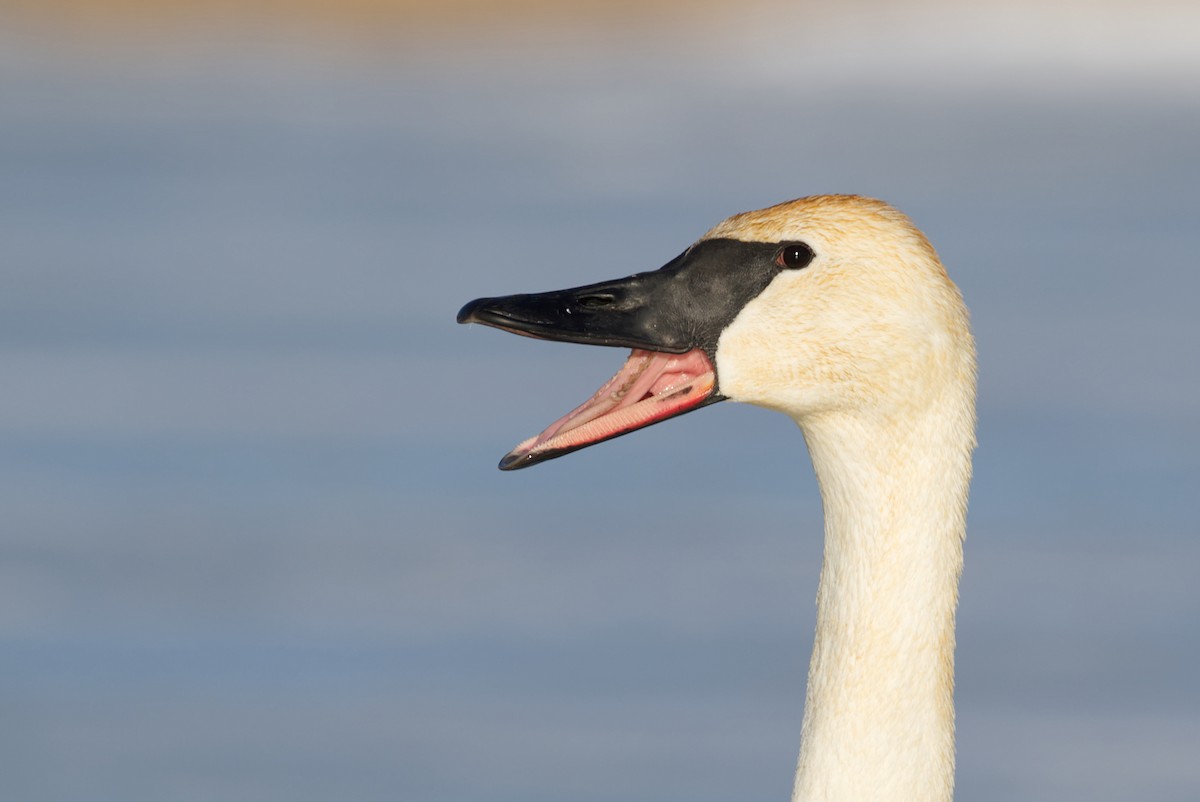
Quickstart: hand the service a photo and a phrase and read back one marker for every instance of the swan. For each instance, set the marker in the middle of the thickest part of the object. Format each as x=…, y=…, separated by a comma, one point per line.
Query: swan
x=834, y=310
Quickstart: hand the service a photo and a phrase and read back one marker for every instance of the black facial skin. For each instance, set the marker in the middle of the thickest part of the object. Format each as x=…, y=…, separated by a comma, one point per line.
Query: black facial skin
x=685, y=304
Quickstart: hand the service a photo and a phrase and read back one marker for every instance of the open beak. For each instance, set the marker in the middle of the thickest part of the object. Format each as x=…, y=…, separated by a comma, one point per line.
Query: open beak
x=669, y=371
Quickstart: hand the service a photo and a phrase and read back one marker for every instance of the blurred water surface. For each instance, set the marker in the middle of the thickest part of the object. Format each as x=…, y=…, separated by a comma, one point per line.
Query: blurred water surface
x=254, y=543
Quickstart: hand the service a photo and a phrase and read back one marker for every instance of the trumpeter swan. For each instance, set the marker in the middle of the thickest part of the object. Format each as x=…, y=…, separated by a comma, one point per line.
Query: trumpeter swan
x=836, y=311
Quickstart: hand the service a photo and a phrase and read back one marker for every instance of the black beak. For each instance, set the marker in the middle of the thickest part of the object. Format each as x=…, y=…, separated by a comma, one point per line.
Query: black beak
x=666, y=374
x=633, y=312
x=672, y=318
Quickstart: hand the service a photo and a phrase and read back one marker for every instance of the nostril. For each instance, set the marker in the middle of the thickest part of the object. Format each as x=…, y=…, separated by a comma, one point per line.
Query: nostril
x=595, y=301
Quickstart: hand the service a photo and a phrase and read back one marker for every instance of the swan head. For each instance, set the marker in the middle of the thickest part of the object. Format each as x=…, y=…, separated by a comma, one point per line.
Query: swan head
x=822, y=305
x=871, y=325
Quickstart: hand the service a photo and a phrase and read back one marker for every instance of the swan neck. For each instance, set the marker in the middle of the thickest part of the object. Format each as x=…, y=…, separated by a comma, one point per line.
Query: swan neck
x=879, y=715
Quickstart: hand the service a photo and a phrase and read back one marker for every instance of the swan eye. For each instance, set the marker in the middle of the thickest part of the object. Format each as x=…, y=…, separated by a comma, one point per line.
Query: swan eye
x=794, y=256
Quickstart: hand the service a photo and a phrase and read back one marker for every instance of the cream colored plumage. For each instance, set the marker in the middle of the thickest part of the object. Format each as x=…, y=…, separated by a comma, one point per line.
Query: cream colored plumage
x=869, y=351
x=836, y=311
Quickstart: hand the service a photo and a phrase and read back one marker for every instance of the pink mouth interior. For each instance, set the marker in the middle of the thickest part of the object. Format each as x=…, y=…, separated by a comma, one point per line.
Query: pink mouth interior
x=650, y=386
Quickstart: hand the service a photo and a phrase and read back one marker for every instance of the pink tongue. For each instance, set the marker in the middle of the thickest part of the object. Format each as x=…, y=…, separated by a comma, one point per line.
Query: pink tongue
x=649, y=387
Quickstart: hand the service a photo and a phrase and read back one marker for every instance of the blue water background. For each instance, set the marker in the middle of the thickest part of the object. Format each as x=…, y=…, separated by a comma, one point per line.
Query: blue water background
x=254, y=545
